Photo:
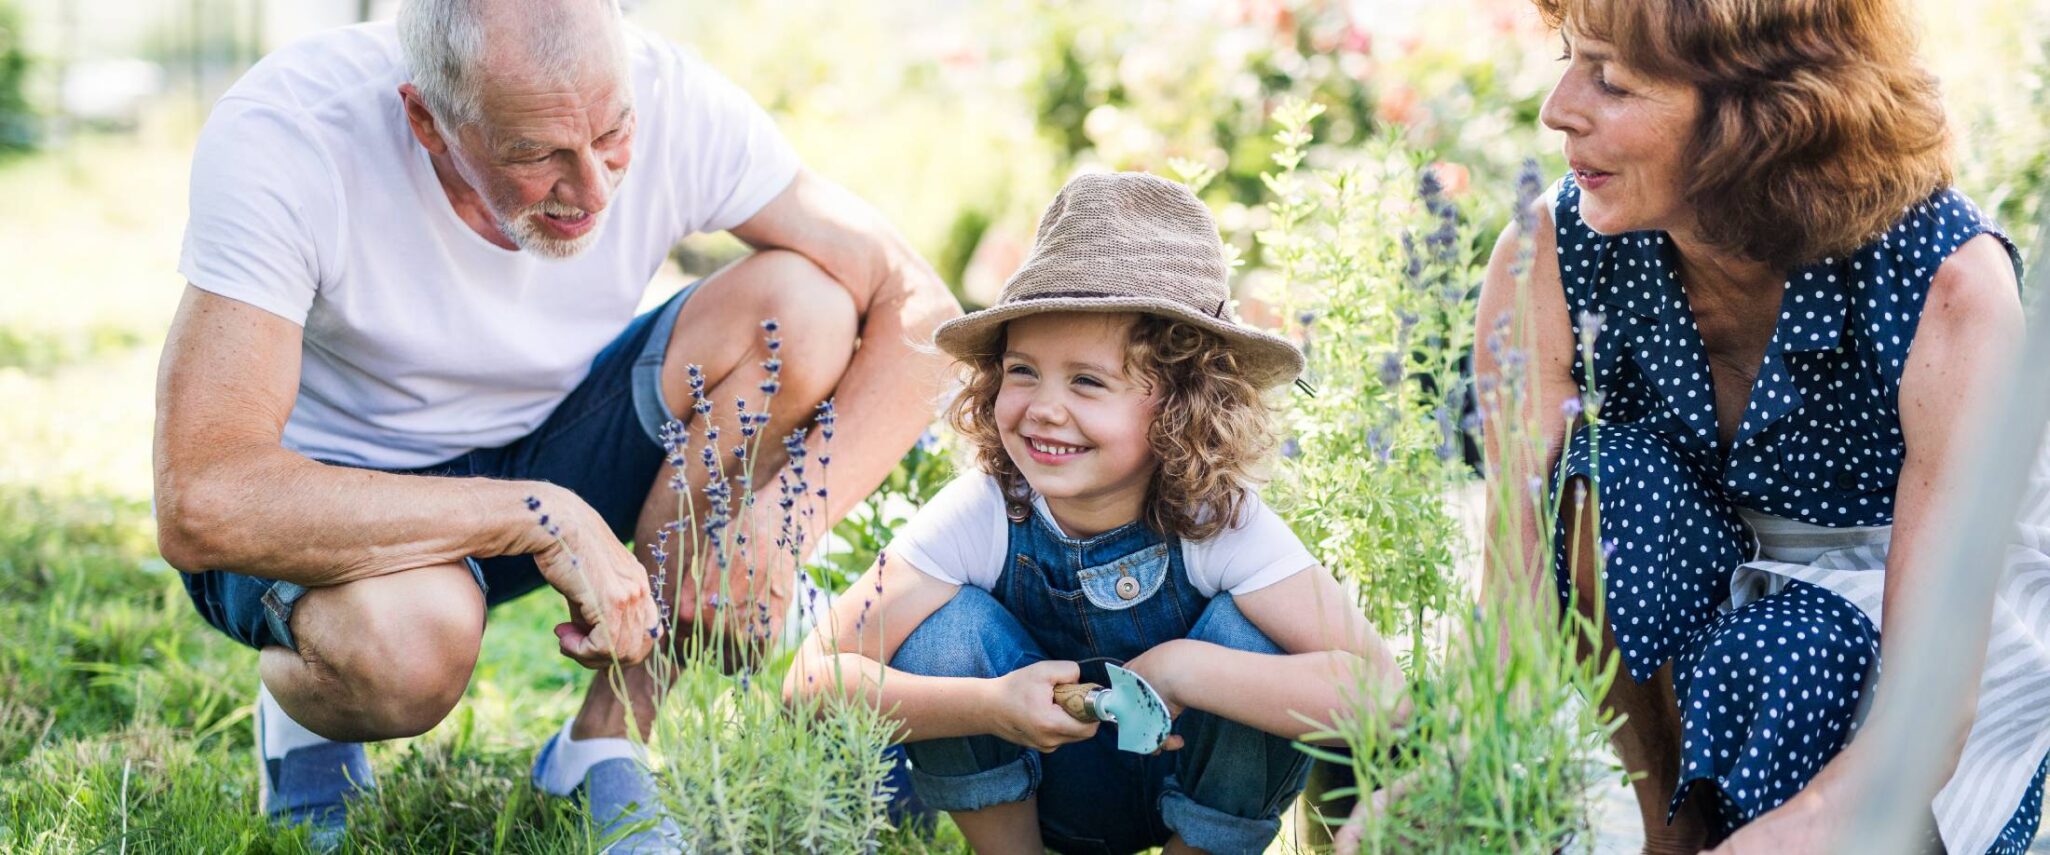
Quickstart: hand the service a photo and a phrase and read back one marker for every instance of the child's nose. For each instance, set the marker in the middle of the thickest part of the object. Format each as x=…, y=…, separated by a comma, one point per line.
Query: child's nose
x=1047, y=409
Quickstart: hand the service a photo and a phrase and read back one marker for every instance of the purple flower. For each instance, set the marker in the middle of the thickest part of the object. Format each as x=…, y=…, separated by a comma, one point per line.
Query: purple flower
x=1379, y=444
x=1570, y=408
x=1391, y=369
x=1528, y=185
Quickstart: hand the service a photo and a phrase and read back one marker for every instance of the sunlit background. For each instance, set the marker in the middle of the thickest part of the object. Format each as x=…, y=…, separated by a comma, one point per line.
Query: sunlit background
x=957, y=119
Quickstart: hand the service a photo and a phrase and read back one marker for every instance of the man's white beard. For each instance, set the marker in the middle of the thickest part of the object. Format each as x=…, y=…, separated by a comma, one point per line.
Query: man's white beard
x=529, y=235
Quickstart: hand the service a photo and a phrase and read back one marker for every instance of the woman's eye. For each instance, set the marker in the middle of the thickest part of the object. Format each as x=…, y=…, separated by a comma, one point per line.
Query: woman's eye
x=1602, y=80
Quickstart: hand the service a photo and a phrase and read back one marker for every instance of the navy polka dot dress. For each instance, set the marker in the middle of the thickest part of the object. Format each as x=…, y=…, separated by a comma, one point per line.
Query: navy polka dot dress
x=1769, y=683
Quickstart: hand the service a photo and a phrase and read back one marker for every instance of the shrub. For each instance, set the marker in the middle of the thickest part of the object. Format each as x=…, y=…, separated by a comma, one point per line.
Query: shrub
x=1373, y=264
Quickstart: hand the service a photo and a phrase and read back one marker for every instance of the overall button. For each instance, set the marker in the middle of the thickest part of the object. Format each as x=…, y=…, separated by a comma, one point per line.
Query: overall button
x=1127, y=587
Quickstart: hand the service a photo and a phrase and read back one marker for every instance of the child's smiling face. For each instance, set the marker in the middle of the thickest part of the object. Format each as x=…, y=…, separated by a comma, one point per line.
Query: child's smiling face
x=1073, y=421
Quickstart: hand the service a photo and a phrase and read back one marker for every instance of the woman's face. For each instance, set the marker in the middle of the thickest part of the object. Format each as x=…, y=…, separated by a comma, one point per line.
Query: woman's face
x=1626, y=135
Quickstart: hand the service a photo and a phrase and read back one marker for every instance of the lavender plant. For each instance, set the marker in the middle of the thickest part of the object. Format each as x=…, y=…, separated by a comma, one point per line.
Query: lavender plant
x=1374, y=264
x=741, y=770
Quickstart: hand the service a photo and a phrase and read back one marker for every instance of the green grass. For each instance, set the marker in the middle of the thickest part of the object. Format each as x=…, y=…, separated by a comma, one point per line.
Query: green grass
x=125, y=720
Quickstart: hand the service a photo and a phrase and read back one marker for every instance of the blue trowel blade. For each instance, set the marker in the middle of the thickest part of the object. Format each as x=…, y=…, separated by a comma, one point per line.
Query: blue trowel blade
x=1142, y=720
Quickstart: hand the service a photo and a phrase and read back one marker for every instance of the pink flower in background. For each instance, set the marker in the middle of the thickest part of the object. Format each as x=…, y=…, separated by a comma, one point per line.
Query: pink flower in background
x=1397, y=105
x=1452, y=177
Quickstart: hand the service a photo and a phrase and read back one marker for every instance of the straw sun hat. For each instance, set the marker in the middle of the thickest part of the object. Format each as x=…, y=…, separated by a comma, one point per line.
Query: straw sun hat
x=1127, y=242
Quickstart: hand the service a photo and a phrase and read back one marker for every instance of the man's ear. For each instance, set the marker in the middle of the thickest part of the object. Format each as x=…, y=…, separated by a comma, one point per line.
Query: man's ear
x=421, y=120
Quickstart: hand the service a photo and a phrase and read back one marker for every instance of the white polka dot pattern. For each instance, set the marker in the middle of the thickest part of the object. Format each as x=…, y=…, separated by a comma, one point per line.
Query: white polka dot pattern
x=1768, y=690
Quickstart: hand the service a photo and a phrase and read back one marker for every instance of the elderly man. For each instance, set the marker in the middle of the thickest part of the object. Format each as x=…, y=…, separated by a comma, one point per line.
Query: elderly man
x=414, y=257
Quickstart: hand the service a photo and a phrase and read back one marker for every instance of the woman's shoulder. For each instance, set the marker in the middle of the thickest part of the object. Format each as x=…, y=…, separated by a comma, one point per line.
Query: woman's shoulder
x=1891, y=275
x=1928, y=232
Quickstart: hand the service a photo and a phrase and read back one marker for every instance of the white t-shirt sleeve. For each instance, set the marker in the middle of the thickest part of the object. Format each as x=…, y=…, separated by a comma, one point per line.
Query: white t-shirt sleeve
x=960, y=536
x=1260, y=551
x=729, y=157
x=263, y=211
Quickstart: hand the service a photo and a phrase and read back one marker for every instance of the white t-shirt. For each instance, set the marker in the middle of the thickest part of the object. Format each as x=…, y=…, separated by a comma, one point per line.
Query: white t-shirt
x=312, y=200
x=961, y=537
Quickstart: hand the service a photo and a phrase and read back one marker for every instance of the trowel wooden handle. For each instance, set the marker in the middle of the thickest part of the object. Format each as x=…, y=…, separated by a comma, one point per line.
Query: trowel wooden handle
x=1074, y=697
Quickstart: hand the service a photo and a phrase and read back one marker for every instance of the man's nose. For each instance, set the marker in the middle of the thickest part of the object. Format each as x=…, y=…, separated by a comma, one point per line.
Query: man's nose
x=588, y=185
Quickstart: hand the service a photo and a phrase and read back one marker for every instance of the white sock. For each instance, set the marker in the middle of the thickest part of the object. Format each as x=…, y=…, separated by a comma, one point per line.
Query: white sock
x=573, y=758
x=280, y=733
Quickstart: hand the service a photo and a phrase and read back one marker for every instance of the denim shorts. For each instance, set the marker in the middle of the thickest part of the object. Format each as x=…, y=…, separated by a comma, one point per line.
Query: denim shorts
x=603, y=442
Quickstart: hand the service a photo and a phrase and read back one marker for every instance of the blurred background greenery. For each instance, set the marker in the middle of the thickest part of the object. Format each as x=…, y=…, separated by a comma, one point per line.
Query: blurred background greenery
x=957, y=119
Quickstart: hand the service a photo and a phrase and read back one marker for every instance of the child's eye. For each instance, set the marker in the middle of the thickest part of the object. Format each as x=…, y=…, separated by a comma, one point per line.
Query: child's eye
x=1086, y=380
x=1019, y=371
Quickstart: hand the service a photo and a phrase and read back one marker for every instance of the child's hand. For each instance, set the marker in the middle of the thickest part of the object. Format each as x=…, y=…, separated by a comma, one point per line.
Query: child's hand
x=1026, y=713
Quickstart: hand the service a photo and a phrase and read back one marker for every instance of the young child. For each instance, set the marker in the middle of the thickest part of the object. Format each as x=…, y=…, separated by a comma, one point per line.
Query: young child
x=1117, y=413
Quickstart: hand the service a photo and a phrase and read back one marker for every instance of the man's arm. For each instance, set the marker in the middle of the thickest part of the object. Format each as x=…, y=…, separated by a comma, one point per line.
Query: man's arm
x=230, y=497
x=891, y=388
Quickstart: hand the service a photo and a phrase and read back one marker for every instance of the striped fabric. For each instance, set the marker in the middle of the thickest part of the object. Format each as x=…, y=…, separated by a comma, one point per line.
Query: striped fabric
x=2011, y=731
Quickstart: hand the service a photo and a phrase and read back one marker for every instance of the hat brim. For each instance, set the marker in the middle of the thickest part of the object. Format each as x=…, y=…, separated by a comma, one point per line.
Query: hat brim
x=1269, y=359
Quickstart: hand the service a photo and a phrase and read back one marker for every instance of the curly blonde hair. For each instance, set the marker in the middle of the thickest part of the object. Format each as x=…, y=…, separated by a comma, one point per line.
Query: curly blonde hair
x=1211, y=429
x=1818, y=125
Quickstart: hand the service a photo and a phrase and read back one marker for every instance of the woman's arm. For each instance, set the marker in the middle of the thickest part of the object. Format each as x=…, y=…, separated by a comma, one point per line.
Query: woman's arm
x=845, y=654
x=1334, y=663
x=1971, y=327
x=1528, y=317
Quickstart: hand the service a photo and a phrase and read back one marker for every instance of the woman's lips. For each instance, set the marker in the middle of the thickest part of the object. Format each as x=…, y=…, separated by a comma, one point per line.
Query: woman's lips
x=1591, y=179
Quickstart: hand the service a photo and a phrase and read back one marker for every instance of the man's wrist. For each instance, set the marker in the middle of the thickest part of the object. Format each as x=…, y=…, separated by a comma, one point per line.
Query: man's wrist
x=512, y=512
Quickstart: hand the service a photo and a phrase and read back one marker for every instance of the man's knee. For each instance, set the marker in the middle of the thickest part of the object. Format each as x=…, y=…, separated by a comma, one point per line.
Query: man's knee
x=817, y=318
x=391, y=659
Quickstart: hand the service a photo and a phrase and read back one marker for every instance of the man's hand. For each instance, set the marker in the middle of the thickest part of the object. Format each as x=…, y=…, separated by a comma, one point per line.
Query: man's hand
x=612, y=613
x=1024, y=710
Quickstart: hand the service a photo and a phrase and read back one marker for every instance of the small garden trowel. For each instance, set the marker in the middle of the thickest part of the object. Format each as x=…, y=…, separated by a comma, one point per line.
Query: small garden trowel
x=1141, y=717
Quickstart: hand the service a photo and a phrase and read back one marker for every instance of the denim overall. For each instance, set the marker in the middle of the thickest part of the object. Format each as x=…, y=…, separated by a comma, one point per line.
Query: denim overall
x=1108, y=597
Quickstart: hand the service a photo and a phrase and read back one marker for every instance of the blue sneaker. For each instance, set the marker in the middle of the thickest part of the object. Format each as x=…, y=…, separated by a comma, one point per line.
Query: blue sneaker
x=311, y=786
x=621, y=796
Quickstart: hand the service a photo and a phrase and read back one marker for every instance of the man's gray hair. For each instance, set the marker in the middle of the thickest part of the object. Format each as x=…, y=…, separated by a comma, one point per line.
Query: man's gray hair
x=444, y=45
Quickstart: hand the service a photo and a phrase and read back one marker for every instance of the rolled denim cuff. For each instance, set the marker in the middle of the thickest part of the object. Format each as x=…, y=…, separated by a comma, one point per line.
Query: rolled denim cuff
x=277, y=610
x=1015, y=781
x=282, y=597
x=1213, y=830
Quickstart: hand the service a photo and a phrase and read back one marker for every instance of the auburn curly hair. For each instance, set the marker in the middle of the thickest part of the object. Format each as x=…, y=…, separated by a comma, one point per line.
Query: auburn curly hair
x=1211, y=428
x=1818, y=126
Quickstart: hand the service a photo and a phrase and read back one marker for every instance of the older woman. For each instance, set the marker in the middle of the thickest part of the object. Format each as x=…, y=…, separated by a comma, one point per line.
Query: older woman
x=1792, y=318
